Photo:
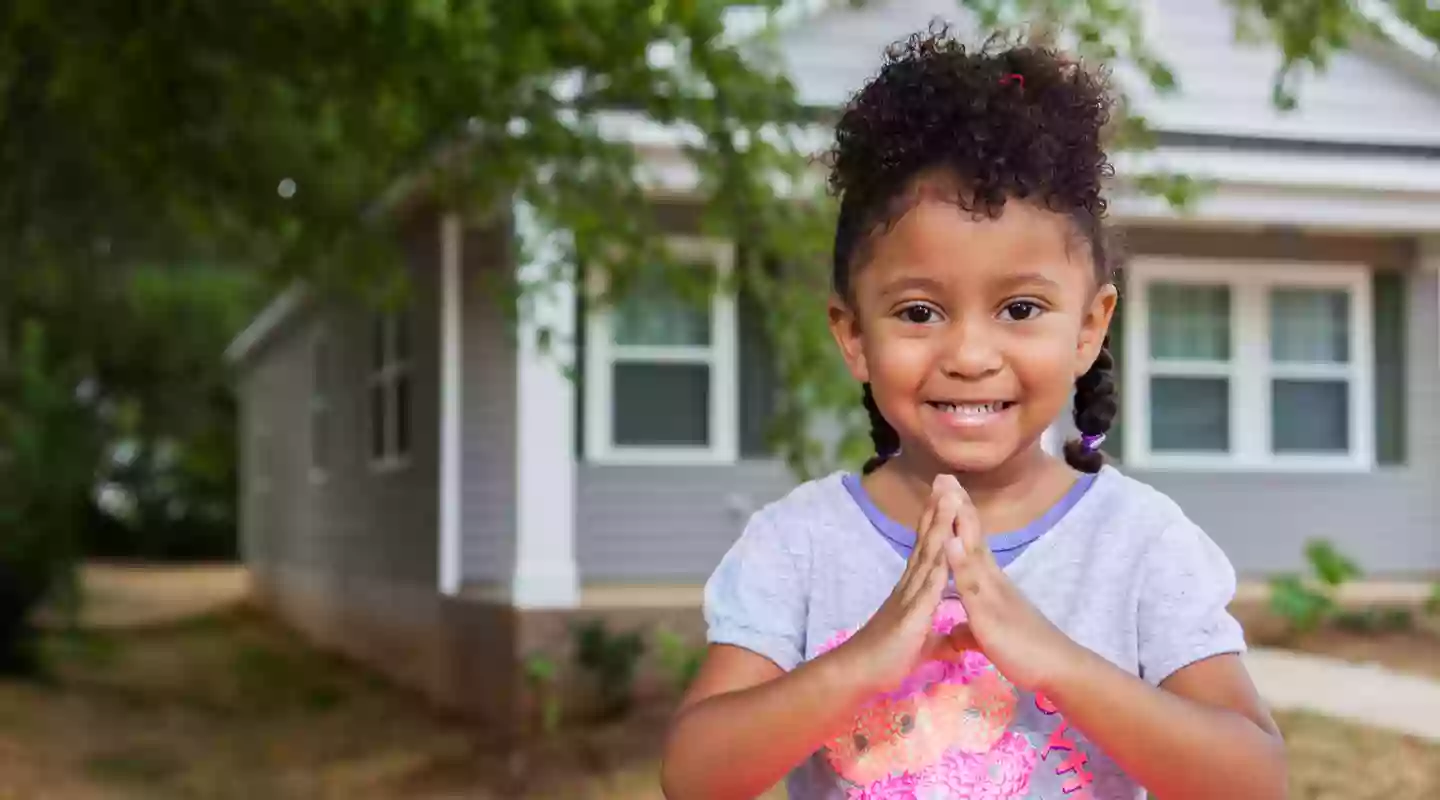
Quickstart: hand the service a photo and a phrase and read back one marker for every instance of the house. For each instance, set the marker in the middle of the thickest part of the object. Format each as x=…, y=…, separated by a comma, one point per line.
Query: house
x=432, y=494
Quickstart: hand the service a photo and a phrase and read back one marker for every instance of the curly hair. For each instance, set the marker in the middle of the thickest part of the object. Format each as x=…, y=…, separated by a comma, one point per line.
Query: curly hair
x=1019, y=122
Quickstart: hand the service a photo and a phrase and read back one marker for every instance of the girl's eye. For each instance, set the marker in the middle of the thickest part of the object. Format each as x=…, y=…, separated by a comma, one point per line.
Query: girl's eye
x=918, y=315
x=1021, y=310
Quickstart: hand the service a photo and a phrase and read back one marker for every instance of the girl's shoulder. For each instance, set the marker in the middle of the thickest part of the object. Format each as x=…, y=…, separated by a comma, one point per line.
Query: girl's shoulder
x=821, y=501
x=1126, y=514
x=810, y=512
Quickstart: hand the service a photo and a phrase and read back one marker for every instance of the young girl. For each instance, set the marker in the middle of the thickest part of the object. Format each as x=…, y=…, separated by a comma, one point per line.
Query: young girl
x=973, y=618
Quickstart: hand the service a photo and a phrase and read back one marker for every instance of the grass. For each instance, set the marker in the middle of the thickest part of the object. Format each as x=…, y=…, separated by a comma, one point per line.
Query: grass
x=229, y=706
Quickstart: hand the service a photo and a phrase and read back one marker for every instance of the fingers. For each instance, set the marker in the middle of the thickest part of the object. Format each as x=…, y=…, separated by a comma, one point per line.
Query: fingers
x=967, y=517
x=966, y=552
x=925, y=592
x=930, y=541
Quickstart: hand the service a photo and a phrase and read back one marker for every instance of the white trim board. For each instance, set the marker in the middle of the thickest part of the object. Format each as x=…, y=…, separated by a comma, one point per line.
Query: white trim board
x=1249, y=369
x=546, y=574
x=266, y=322
x=452, y=332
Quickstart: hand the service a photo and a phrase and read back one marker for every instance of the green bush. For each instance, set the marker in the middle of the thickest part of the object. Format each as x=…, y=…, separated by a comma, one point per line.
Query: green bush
x=49, y=445
x=679, y=659
x=1306, y=603
x=612, y=660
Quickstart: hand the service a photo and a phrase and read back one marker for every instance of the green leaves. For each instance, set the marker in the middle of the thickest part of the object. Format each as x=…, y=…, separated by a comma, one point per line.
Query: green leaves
x=1303, y=607
x=1307, y=603
x=1331, y=566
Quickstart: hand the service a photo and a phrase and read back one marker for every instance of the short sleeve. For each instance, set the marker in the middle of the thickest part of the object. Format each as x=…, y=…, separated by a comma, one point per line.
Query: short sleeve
x=756, y=598
x=1186, y=591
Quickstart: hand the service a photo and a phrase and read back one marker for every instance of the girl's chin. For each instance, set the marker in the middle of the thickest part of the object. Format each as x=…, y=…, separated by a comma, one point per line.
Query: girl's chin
x=971, y=457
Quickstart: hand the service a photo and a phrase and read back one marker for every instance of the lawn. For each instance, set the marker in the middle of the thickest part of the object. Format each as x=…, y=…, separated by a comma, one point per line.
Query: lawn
x=230, y=706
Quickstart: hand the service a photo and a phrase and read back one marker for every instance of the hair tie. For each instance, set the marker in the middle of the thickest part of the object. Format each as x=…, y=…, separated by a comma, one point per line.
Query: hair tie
x=1016, y=77
x=1091, y=442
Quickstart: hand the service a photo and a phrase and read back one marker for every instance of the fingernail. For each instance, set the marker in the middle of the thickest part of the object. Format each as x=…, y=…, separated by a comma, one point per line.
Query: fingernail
x=945, y=481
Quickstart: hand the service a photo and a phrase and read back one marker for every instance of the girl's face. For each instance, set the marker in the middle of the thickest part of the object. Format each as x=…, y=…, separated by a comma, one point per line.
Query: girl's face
x=971, y=332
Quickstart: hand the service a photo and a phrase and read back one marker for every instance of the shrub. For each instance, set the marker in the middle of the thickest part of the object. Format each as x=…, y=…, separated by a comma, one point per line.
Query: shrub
x=612, y=659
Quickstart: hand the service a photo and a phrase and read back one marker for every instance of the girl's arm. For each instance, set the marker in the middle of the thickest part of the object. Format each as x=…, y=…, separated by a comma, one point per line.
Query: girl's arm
x=1203, y=734
x=745, y=723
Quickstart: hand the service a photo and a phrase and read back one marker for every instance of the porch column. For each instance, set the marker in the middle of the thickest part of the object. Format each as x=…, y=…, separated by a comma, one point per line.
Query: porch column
x=451, y=374
x=546, y=575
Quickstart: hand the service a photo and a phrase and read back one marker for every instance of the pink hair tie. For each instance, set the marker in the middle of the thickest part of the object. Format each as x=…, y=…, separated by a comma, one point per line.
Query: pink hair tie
x=1016, y=77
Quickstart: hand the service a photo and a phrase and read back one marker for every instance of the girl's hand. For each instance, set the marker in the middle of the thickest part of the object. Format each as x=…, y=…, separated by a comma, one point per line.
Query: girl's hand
x=1002, y=624
x=901, y=636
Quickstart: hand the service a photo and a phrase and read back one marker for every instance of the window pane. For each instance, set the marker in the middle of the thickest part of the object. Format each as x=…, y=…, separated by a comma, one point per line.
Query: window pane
x=402, y=415
x=651, y=313
x=661, y=404
x=377, y=421
x=1190, y=415
x=1189, y=322
x=1310, y=416
x=1310, y=325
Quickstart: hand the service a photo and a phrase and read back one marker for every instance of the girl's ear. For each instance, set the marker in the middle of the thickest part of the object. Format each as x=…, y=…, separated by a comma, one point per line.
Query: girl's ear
x=1094, y=327
x=845, y=327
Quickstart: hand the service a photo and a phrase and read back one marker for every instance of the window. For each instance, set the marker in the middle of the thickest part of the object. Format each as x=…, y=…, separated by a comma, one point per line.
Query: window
x=390, y=391
x=1249, y=365
x=320, y=387
x=661, y=370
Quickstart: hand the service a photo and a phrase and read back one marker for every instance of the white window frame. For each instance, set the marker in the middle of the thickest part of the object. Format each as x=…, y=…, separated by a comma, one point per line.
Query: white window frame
x=1250, y=371
x=320, y=405
x=387, y=377
x=721, y=356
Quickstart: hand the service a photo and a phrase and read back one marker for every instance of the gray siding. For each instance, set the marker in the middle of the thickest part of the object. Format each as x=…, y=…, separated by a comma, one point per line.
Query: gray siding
x=640, y=524
x=358, y=524
x=488, y=402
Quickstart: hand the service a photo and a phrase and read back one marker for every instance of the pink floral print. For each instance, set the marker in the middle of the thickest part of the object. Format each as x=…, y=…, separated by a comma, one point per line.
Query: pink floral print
x=942, y=733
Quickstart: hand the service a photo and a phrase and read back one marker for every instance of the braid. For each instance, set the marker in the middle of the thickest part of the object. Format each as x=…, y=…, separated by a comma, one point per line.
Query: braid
x=887, y=441
x=1095, y=407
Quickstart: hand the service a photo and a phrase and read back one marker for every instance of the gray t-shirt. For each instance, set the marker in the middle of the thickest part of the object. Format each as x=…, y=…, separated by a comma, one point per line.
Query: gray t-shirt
x=1123, y=573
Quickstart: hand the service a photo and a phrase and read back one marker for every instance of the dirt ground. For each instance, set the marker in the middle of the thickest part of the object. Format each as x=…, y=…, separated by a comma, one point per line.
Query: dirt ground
x=1414, y=650
x=174, y=691
x=121, y=595
x=230, y=706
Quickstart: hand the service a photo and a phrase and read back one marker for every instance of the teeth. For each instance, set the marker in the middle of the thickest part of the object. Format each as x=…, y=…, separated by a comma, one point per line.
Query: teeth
x=971, y=409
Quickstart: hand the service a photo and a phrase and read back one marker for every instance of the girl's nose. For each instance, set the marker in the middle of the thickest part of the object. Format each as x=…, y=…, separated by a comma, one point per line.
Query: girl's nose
x=969, y=352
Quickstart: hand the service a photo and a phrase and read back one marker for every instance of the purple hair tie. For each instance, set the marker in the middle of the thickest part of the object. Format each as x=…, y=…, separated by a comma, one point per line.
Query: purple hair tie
x=1091, y=442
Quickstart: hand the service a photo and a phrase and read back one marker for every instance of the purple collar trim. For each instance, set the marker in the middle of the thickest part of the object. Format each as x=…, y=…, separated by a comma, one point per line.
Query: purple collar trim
x=1006, y=546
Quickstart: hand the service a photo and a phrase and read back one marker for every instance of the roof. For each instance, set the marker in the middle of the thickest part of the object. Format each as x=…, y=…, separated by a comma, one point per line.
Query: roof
x=266, y=323
x=1225, y=82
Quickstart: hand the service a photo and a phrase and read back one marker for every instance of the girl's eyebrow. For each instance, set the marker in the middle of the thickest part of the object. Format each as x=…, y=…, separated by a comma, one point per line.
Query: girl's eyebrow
x=1027, y=279
x=911, y=283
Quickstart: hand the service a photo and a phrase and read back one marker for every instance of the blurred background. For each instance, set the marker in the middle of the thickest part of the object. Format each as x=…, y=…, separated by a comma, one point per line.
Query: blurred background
x=379, y=382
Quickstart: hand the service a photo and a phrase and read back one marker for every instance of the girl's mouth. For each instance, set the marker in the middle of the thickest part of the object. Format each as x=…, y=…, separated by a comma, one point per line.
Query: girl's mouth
x=971, y=414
